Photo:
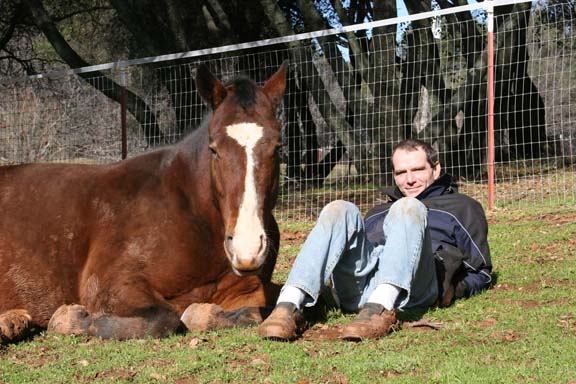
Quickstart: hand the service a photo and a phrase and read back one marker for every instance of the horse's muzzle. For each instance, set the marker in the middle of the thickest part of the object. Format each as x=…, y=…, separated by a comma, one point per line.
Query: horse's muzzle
x=246, y=273
x=246, y=256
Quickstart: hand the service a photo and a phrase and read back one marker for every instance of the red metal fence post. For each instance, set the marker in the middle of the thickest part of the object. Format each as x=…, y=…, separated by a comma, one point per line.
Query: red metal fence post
x=490, y=101
x=123, y=114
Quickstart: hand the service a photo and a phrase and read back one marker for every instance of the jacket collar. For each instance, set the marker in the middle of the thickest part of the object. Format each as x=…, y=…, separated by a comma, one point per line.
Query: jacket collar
x=442, y=185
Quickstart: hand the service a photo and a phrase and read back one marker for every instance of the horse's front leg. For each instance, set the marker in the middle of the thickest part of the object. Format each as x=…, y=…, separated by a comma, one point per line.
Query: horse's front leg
x=238, y=302
x=75, y=319
x=210, y=316
x=123, y=310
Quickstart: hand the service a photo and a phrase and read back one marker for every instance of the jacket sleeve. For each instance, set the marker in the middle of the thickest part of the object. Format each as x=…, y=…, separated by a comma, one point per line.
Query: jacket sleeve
x=475, y=282
x=472, y=238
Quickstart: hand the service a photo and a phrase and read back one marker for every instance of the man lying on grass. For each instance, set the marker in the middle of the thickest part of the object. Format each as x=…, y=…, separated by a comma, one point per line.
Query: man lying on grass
x=426, y=247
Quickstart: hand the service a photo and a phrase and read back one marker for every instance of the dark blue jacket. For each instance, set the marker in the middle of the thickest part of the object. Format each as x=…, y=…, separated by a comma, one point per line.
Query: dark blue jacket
x=454, y=220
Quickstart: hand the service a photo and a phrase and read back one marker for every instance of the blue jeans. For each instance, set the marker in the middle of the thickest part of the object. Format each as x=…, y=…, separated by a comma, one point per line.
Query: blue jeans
x=338, y=254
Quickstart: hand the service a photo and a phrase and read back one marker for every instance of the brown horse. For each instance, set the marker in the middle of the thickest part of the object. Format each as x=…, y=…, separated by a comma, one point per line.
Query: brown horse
x=133, y=249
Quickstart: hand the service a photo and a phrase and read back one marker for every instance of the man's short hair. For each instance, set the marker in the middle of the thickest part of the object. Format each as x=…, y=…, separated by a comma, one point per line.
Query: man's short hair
x=415, y=144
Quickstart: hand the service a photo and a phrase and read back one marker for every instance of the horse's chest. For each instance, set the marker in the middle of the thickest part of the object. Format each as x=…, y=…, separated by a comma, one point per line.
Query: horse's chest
x=191, y=252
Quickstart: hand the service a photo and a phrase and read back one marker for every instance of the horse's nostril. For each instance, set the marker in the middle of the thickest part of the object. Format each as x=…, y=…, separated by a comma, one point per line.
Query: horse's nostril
x=262, y=243
x=229, y=242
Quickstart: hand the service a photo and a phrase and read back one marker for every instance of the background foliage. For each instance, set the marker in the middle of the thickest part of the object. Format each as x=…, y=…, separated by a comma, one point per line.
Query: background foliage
x=425, y=79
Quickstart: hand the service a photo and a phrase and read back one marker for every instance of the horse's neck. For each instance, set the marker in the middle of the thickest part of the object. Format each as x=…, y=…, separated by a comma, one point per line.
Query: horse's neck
x=189, y=165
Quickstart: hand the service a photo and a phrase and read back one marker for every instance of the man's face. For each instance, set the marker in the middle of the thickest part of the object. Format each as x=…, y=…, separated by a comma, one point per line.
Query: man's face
x=412, y=173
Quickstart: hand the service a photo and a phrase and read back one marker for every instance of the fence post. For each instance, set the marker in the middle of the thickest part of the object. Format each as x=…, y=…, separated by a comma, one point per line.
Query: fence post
x=123, y=113
x=490, y=36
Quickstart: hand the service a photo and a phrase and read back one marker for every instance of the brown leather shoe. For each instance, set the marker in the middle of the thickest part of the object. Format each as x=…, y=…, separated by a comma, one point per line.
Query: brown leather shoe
x=285, y=323
x=373, y=322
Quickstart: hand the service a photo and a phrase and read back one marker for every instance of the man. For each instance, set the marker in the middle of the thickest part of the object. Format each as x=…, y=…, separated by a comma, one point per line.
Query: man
x=425, y=247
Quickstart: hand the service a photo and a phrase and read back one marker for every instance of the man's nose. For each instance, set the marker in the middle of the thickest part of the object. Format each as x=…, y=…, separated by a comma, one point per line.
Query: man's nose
x=410, y=177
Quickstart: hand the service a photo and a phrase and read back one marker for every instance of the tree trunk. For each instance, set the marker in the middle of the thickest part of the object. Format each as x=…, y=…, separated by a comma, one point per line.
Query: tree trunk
x=519, y=108
x=316, y=74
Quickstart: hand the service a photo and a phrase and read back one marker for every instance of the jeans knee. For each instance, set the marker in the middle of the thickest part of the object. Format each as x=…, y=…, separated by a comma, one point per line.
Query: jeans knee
x=409, y=208
x=337, y=211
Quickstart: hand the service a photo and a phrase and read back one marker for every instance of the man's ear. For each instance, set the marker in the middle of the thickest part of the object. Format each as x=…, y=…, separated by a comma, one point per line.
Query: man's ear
x=436, y=170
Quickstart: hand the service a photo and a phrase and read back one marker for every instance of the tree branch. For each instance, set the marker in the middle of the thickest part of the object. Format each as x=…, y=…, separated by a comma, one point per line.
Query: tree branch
x=131, y=17
x=80, y=12
x=97, y=79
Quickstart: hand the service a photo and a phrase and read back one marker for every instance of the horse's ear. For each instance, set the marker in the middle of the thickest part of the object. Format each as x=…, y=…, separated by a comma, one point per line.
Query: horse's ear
x=276, y=84
x=209, y=87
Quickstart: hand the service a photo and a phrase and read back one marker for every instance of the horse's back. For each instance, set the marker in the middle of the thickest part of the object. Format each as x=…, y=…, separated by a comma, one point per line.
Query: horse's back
x=71, y=233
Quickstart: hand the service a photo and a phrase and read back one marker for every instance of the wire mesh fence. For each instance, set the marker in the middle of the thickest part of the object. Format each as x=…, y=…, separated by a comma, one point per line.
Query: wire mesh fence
x=351, y=95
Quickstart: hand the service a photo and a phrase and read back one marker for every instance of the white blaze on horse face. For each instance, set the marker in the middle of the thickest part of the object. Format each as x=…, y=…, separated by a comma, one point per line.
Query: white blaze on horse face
x=248, y=244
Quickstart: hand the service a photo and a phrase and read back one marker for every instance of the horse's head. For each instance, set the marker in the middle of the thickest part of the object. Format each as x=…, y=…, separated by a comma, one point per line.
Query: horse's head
x=244, y=136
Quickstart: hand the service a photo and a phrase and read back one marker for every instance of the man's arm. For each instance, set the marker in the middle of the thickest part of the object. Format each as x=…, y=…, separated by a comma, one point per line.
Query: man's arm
x=473, y=239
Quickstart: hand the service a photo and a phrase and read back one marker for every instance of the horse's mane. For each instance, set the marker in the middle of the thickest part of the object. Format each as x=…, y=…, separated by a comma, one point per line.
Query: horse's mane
x=194, y=140
x=244, y=91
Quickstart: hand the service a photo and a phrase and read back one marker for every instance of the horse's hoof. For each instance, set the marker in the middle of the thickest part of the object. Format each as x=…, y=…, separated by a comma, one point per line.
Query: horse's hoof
x=205, y=317
x=70, y=320
x=14, y=324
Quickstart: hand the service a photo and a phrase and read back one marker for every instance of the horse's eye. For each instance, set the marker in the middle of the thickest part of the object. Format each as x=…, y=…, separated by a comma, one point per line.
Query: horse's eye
x=213, y=150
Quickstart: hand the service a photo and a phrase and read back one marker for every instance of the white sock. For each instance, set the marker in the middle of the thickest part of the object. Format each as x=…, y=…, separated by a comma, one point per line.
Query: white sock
x=386, y=295
x=292, y=295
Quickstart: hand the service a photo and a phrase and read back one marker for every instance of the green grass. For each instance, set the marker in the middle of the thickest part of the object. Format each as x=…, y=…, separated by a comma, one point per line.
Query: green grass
x=521, y=331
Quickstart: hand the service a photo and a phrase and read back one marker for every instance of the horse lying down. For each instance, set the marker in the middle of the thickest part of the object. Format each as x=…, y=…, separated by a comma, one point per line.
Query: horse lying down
x=179, y=235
